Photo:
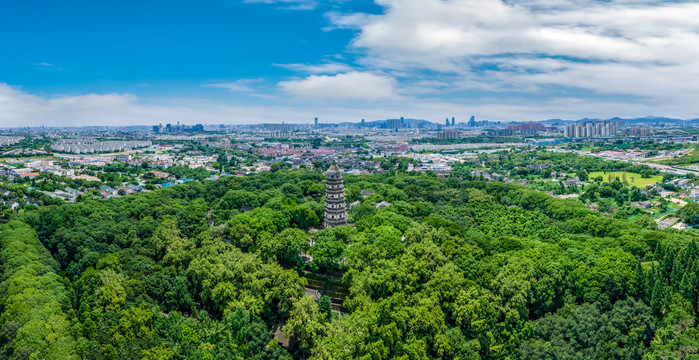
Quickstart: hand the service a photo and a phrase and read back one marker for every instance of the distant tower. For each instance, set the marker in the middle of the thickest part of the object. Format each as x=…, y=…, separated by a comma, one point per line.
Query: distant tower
x=316, y=122
x=447, y=122
x=335, y=208
x=472, y=121
x=363, y=123
x=402, y=122
x=453, y=121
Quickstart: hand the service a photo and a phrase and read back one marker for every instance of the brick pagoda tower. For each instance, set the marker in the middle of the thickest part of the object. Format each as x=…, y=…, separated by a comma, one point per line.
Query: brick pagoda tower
x=335, y=207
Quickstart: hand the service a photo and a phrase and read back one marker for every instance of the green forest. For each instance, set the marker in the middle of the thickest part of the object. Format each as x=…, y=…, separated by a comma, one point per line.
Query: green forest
x=454, y=268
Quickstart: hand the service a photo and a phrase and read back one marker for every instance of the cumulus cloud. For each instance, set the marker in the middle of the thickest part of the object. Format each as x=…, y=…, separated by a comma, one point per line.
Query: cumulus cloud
x=352, y=85
x=635, y=48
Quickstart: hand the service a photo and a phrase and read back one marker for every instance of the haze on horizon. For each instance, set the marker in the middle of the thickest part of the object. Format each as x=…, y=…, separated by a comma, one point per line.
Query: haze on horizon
x=79, y=63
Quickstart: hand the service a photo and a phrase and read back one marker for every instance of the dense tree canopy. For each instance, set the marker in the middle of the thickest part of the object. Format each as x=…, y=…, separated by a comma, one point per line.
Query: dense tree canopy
x=452, y=269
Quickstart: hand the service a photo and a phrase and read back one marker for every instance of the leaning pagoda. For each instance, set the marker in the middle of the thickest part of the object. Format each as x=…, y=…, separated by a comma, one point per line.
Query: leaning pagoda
x=335, y=208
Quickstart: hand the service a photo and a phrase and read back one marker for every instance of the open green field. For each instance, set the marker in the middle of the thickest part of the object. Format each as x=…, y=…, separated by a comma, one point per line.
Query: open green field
x=632, y=178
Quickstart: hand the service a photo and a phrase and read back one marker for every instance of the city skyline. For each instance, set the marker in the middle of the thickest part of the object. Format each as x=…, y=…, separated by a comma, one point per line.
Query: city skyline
x=255, y=61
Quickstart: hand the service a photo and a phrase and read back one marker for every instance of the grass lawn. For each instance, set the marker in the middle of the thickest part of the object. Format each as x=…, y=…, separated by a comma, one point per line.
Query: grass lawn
x=638, y=181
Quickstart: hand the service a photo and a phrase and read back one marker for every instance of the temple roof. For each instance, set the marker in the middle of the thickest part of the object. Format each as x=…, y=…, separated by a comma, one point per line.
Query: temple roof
x=334, y=168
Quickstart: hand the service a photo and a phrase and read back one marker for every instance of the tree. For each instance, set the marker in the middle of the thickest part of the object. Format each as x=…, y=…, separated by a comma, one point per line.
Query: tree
x=286, y=246
x=325, y=307
x=111, y=294
x=585, y=331
x=582, y=175
x=456, y=268
x=34, y=322
x=327, y=251
x=690, y=214
x=305, y=217
x=305, y=322
x=135, y=322
x=165, y=234
x=161, y=352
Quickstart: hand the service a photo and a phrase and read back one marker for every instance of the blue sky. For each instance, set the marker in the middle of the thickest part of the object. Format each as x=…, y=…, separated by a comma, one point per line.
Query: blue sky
x=230, y=61
x=169, y=46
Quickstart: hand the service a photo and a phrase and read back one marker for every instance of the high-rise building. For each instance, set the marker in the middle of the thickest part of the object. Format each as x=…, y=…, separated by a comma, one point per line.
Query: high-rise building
x=316, y=122
x=529, y=128
x=394, y=123
x=335, y=207
x=453, y=121
x=472, y=121
x=449, y=134
x=599, y=129
x=363, y=124
x=638, y=131
x=277, y=127
x=569, y=131
x=447, y=122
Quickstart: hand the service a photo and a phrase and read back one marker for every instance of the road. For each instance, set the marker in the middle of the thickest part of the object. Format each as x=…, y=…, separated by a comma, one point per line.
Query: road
x=659, y=167
x=667, y=169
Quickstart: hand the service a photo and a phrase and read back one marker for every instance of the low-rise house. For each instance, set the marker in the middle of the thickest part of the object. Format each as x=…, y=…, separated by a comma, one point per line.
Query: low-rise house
x=538, y=167
x=694, y=194
x=30, y=175
x=313, y=293
x=383, y=204
x=478, y=174
x=572, y=182
x=160, y=174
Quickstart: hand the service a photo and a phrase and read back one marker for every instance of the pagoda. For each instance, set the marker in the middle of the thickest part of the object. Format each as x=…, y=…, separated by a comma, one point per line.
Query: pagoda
x=335, y=208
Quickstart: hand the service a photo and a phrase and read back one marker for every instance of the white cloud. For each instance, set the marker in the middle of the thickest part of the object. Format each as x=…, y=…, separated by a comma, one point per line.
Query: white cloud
x=19, y=108
x=516, y=60
x=242, y=85
x=322, y=68
x=611, y=30
x=346, y=86
x=47, y=66
x=288, y=4
x=638, y=48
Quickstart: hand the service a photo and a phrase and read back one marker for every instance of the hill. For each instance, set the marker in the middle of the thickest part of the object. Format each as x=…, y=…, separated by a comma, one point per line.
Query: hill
x=453, y=269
